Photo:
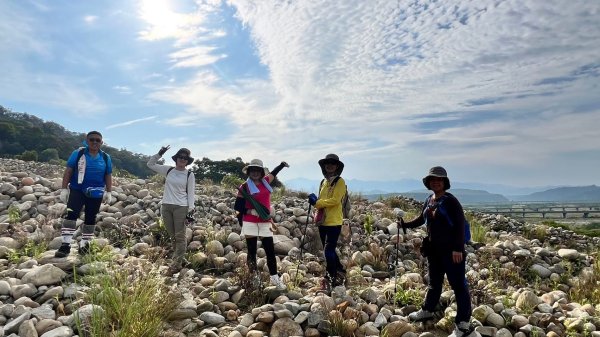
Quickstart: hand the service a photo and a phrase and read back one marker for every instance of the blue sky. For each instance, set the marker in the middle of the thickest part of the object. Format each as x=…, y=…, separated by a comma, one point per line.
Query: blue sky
x=496, y=91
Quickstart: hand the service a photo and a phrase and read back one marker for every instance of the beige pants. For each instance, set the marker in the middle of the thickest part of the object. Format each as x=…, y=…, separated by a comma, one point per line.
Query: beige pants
x=174, y=219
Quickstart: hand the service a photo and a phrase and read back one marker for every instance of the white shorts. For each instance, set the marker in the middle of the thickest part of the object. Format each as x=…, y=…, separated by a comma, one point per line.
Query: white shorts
x=261, y=229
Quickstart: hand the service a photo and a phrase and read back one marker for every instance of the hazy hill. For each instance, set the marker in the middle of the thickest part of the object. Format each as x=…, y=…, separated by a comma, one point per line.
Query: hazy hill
x=369, y=187
x=560, y=194
x=27, y=137
x=465, y=196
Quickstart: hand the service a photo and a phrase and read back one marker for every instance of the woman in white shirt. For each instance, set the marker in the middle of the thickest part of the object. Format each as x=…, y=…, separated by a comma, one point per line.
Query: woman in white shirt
x=177, y=201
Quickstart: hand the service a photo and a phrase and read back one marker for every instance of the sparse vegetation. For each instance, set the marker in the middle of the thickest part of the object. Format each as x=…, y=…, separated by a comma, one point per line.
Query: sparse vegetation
x=586, y=288
x=368, y=224
x=231, y=181
x=14, y=214
x=134, y=303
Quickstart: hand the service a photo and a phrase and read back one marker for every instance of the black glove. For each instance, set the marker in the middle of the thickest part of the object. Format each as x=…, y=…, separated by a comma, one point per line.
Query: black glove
x=189, y=218
x=279, y=168
x=163, y=149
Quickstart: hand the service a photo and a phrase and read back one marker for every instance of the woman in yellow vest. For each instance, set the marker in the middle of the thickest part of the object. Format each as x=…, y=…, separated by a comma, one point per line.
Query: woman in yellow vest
x=330, y=218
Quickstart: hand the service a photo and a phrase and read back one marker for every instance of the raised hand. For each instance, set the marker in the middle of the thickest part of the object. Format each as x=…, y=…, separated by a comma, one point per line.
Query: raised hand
x=163, y=150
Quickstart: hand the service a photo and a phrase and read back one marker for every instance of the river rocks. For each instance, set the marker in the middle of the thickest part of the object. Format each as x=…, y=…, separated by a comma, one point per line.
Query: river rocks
x=42, y=295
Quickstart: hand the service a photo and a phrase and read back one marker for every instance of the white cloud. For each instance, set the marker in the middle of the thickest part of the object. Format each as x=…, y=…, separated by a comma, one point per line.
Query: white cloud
x=122, y=89
x=90, y=19
x=195, y=57
x=131, y=122
x=365, y=75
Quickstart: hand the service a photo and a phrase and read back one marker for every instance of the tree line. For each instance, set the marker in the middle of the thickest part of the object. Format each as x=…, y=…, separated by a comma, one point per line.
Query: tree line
x=27, y=137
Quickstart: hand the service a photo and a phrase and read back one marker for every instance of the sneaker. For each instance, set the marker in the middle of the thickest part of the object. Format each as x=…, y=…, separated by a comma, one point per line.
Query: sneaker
x=463, y=329
x=256, y=280
x=84, y=249
x=276, y=281
x=64, y=250
x=420, y=315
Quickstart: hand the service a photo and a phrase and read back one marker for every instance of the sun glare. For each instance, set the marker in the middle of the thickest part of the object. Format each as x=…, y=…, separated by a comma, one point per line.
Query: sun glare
x=163, y=21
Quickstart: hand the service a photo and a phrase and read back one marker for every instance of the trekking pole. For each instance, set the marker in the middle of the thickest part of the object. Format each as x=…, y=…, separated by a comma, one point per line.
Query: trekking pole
x=302, y=241
x=399, y=213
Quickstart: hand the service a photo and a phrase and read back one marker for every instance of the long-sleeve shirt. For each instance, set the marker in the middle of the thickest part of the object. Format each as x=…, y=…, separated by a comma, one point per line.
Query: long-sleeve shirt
x=330, y=199
x=441, y=233
x=175, y=184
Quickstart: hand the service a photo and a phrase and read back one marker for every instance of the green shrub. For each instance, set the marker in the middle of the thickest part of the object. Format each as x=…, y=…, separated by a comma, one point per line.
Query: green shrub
x=231, y=181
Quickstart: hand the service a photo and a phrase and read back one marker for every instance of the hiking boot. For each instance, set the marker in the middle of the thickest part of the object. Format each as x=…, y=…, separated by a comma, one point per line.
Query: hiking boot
x=463, y=329
x=421, y=315
x=325, y=286
x=276, y=281
x=84, y=249
x=173, y=269
x=64, y=250
x=341, y=278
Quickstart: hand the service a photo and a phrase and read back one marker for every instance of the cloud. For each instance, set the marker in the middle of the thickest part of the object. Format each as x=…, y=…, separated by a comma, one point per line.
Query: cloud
x=122, y=89
x=195, y=57
x=366, y=77
x=127, y=123
x=90, y=19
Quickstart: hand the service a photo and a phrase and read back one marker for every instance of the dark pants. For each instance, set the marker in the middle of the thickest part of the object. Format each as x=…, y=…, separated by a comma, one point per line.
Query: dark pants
x=440, y=264
x=269, y=247
x=329, y=237
x=77, y=201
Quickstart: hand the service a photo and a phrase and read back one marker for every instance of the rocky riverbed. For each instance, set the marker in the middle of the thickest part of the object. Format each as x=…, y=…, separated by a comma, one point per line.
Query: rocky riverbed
x=526, y=279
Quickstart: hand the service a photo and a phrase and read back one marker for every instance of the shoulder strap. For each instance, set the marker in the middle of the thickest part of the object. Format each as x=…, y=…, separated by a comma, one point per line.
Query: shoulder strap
x=80, y=153
x=105, y=162
x=188, y=177
x=321, y=186
x=187, y=180
x=262, y=210
x=442, y=210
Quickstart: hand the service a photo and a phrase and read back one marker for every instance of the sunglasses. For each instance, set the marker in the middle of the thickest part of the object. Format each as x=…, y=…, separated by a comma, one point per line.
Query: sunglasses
x=183, y=157
x=95, y=140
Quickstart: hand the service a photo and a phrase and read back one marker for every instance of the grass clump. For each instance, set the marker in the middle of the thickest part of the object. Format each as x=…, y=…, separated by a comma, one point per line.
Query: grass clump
x=478, y=231
x=134, y=303
x=368, y=224
x=586, y=288
x=340, y=326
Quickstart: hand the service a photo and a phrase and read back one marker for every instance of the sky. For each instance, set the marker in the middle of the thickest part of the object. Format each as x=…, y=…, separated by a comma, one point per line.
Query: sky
x=503, y=92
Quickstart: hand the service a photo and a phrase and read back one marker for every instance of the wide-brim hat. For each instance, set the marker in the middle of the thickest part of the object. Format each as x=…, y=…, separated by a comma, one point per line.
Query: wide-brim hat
x=332, y=159
x=255, y=163
x=439, y=172
x=185, y=151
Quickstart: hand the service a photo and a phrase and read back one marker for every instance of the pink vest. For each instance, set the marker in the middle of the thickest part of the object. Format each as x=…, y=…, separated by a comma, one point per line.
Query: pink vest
x=264, y=197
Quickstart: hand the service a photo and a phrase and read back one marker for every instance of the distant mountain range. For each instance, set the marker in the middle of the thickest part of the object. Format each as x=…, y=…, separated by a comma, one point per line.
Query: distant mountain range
x=468, y=193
